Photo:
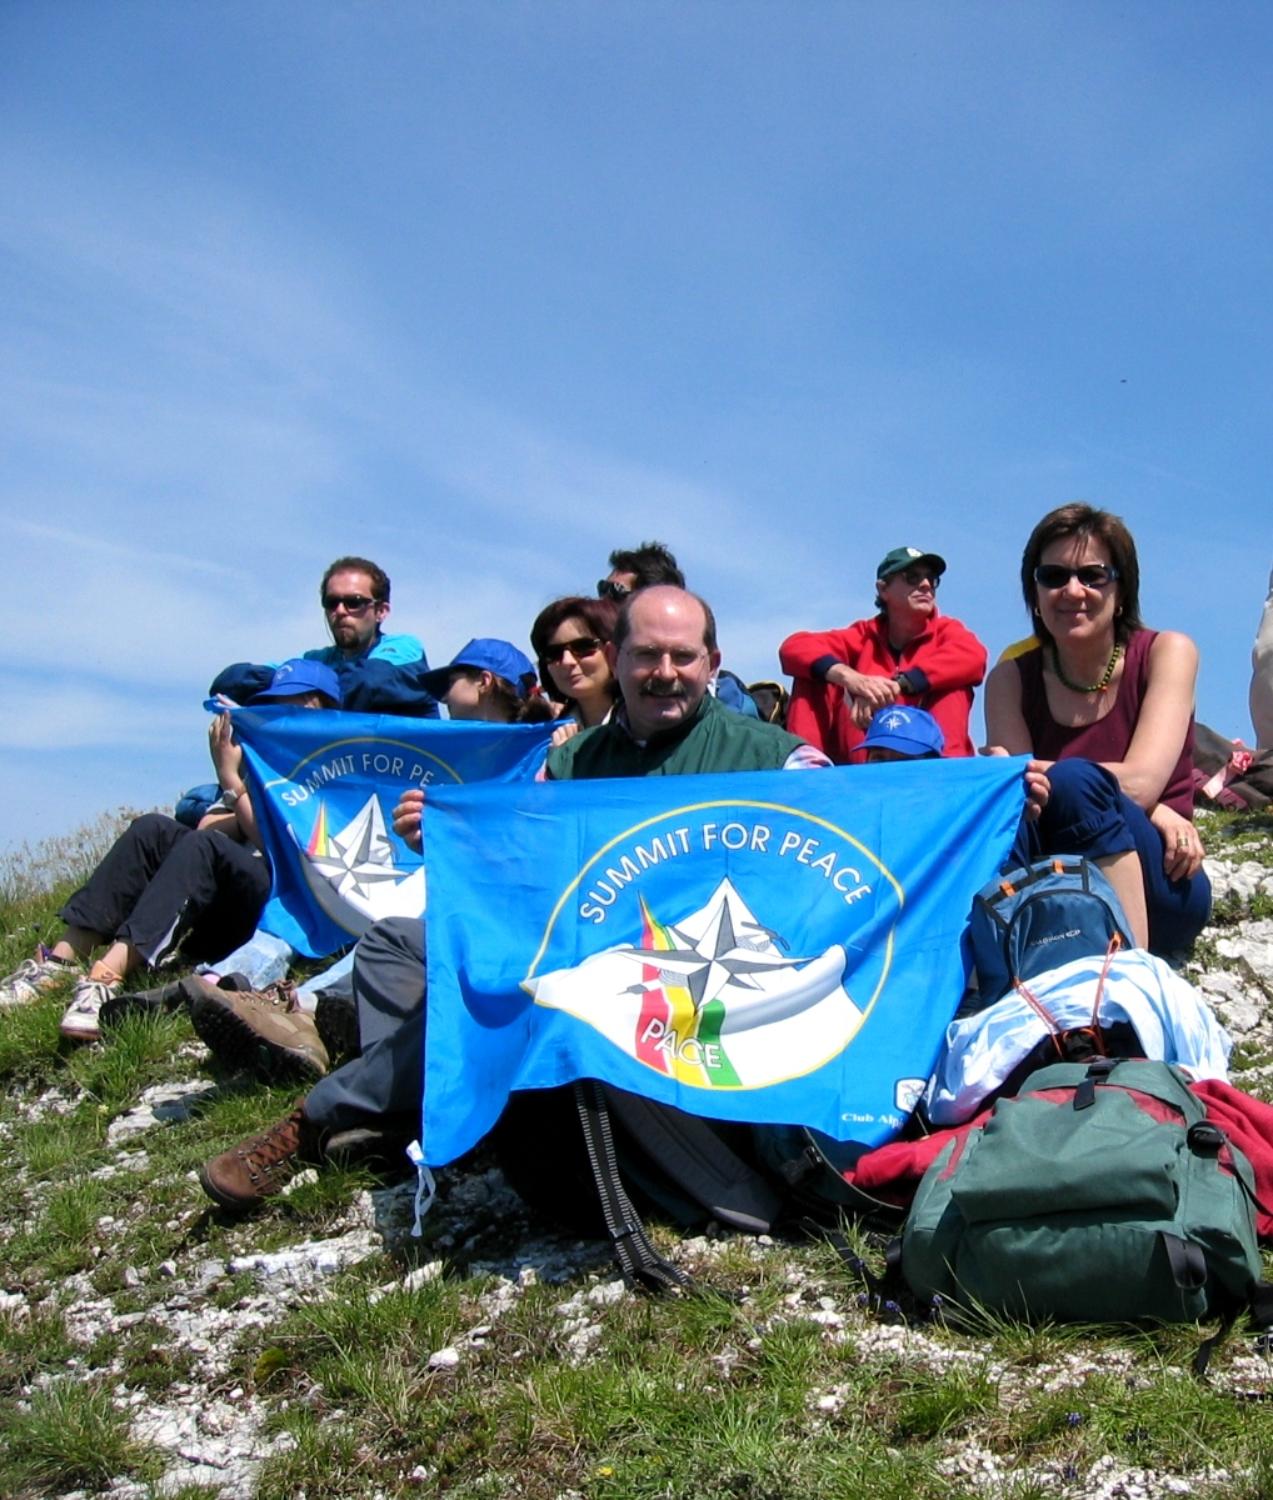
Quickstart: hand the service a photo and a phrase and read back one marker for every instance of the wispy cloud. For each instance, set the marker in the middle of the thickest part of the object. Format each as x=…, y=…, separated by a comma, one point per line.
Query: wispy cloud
x=81, y=715
x=136, y=558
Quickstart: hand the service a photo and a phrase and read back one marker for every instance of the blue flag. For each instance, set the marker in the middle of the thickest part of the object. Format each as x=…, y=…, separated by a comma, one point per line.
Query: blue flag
x=767, y=947
x=324, y=785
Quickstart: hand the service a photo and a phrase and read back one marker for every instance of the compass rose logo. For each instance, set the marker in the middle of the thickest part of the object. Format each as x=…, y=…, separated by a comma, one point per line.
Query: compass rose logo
x=713, y=999
x=351, y=872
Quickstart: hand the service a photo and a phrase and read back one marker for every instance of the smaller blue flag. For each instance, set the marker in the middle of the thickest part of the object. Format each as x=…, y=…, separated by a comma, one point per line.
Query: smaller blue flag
x=324, y=786
x=768, y=947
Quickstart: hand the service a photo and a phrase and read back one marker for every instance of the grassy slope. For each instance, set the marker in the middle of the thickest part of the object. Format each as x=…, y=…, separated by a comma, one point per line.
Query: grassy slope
x=777, y=1383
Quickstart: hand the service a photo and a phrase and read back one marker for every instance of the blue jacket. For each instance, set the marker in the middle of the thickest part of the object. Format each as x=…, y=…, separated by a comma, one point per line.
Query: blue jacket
x=386, y=679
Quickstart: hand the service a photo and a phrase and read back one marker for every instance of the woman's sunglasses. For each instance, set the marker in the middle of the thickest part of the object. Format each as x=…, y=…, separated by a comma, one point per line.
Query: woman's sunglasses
x=608, y=589
x=584, y=645
x=1091, y=575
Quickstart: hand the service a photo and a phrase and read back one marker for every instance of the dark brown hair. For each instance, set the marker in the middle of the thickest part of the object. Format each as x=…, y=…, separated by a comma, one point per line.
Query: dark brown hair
x=1079, y=520
x=379, y=578
x=597, y=614
x=651, y=562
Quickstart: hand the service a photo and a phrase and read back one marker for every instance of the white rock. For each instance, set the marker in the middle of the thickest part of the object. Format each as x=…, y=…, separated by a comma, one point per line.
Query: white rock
x=422, y=1276
x=165, y=1104
x=444, y=1359
x=1237, y=1007
x=1242, y=879
x=13, y=1305
x=607, y=1294
x=1254, y=944
x=302, y=1179
x=311, y=1259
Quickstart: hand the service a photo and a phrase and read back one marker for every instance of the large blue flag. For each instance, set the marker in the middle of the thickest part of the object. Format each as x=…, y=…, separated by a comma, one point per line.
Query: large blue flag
x=768, y=947
x=324, y=785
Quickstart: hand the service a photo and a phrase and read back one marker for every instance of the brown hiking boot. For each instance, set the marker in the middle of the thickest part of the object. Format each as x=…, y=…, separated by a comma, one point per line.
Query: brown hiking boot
x=262, y=1030
x=262, y=1165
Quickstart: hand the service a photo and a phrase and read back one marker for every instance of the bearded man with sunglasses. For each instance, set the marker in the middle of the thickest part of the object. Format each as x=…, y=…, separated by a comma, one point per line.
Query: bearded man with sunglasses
x=378, y=673
x=907, y=653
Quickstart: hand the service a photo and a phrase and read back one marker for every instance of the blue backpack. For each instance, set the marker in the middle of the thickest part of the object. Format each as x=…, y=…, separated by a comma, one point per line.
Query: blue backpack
x=1040, y=916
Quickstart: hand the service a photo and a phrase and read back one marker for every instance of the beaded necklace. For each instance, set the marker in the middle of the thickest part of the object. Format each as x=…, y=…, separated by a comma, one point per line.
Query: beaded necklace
x=1096, y=687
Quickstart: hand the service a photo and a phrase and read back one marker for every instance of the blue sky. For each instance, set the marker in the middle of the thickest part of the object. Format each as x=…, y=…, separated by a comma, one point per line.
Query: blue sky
x=483, y=290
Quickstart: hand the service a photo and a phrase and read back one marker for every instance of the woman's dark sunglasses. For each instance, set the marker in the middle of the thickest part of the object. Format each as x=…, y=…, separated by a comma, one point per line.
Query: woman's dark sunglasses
x=354, y=603
x=584, y=645
x=1091, y=575
x=608, y=589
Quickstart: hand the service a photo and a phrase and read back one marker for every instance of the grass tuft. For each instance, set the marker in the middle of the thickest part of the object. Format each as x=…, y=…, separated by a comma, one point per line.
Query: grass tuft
x=69, y=1435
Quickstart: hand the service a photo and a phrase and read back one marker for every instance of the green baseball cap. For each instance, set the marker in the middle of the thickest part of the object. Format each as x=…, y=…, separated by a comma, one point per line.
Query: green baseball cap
x=906, y=557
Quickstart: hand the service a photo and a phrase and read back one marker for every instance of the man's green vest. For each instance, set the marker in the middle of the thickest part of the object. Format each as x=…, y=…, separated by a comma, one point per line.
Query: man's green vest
x=715, y=739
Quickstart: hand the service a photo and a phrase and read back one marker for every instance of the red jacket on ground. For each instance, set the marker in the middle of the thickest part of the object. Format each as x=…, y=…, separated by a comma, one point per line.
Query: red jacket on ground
x=946, y=661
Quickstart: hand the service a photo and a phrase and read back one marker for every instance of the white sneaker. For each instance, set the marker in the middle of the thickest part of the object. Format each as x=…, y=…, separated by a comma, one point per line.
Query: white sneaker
x=35, y=977
x=80, y=1021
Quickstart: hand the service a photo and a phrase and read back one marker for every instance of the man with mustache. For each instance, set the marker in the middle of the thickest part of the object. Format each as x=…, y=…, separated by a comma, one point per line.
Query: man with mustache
x=663, y=653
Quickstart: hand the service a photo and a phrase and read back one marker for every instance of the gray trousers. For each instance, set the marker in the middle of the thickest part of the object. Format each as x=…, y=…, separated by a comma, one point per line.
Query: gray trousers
x=381, y=1087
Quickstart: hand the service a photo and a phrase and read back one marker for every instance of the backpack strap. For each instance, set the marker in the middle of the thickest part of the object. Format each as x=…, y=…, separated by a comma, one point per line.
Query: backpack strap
x=639, y=1261
x=1205, y=1138
x=1079, y=1042
x=1097, y=1072
x=1188, y=1263
x=693, y=1154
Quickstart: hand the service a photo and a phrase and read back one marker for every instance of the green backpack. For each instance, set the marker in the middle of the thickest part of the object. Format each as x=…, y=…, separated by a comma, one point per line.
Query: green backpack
x=1101, y=1193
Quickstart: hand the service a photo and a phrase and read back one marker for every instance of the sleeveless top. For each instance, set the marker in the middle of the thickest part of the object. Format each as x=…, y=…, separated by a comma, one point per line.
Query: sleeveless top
x=1109, y=738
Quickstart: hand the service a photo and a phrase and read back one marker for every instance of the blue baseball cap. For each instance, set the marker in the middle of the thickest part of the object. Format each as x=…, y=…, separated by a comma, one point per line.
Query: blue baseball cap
x=909, y=731
x=301, y=676
x=485, y=654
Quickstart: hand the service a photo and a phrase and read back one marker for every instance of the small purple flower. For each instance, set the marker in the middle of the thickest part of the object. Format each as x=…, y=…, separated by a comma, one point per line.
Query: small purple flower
x=891, y=1307
x=1070, y=1471
x=1073, y=1418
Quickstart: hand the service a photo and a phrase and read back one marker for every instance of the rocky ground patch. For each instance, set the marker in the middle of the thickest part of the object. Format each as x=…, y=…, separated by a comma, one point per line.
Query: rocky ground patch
x=183, y=1333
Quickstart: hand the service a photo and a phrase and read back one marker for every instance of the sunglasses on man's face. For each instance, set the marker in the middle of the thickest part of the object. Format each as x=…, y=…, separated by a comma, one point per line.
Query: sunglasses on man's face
x=1091, y=575
x=581, y=646
x=916, y=576
x=353, y=604
x=608, y=589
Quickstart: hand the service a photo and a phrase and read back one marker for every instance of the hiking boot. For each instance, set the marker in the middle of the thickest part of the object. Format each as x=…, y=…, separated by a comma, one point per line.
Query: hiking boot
x=35, y=977
x=261, y=1030
x=336, y=1017
x=260, y=1166
x=81, y=1022
x=162, y=999
x=383, y=1152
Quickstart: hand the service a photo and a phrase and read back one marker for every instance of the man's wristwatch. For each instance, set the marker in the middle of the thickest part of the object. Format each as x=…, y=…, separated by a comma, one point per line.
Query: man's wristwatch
x=230, y=797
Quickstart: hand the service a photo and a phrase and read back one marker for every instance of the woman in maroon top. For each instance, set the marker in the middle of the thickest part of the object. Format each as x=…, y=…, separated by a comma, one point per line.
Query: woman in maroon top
x=1107, y=706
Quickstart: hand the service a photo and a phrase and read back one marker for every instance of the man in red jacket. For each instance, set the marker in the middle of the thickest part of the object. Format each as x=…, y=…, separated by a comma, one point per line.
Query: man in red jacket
x=907, y=653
